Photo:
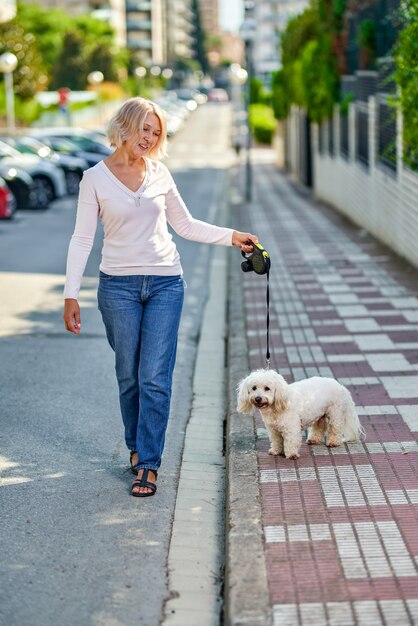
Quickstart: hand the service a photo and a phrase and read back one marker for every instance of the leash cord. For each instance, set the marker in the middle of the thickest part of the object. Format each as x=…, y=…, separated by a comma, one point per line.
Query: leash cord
x=268, y=319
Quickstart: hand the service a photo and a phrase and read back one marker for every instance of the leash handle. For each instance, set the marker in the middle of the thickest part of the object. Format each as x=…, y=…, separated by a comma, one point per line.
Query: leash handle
x=268, y=319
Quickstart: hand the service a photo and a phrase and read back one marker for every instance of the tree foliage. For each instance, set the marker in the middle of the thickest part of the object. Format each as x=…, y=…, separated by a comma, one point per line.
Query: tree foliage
x=199, y=51
x=71, y=67
x=30, y=74
x=55, y=49
x=309, y=77
x=406, y=76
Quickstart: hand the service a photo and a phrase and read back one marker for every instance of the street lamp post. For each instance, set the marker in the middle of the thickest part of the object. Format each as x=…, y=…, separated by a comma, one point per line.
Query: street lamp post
x=8, y=63
x=247, y=35
x=140, y=74
x=238, y=78
x=95, y=79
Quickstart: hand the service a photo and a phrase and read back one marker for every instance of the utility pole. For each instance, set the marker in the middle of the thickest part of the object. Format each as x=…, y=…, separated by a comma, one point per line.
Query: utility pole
x=247, y=34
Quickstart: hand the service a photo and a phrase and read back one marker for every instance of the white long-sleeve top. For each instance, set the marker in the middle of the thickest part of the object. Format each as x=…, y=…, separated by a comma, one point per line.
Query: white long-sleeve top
x=136, y=237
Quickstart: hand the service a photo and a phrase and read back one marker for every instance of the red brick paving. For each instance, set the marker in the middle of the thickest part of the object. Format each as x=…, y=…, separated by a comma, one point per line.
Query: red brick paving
x=317, y=257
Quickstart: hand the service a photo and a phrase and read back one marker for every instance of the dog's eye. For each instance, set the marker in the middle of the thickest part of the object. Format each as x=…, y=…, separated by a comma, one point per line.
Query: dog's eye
x=266, y=388
x=254, y=388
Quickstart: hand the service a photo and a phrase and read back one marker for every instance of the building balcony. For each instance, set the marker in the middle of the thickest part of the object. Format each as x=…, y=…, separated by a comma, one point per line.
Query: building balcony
x=145, y=25
x=139, y=44
x=138, y=6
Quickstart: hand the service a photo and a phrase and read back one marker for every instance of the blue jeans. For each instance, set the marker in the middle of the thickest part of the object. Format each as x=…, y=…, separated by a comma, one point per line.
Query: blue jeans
x=141, y=315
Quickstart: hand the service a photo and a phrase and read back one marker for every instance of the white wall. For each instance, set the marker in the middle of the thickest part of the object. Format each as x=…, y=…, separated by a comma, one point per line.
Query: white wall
x=383, y=202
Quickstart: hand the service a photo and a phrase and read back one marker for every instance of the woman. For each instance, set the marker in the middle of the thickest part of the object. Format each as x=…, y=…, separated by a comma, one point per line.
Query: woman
x=141, y=287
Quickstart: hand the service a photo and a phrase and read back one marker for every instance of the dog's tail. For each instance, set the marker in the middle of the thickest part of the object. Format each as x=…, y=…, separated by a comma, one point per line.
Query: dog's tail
x=353, y=430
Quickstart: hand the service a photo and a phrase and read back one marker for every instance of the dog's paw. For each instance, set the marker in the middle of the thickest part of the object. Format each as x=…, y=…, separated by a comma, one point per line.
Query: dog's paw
x=293, y=456
x=313, y=441
x=334, y=443
x=274, y=451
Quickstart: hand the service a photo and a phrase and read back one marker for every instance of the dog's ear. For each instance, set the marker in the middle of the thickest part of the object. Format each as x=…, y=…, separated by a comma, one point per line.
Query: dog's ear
x=243, y=397
x=281, y=398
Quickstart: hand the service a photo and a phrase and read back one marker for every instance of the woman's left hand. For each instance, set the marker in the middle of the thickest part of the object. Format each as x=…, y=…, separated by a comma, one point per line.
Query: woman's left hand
x=244, y=241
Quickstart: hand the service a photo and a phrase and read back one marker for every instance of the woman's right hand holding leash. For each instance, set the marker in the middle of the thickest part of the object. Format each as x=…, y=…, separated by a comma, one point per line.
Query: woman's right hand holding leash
x=71, y=316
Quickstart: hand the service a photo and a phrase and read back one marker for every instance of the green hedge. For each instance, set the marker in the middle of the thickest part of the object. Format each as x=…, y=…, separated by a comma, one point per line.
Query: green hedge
x=406, y=76
x=262, y=122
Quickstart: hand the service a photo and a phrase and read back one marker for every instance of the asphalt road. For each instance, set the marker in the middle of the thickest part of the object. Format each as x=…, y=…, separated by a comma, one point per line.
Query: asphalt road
x=76, y=548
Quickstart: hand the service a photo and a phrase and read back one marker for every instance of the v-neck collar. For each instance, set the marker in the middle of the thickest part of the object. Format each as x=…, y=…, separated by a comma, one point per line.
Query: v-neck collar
x=120, y=183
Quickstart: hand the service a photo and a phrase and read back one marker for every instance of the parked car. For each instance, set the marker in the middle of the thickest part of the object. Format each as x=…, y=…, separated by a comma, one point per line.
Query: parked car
x=88, y=146
x=21, y=185
x=48, y=179
x=188, y=93
x=86, y=140
x=67, y=147
x=7, y=201
x=218, y=95
x=72, y=166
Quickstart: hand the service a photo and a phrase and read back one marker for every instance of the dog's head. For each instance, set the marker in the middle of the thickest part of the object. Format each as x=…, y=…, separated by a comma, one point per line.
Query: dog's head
x=262, y=389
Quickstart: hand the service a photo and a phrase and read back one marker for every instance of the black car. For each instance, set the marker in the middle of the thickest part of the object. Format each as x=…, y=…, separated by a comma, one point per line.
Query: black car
x=21, y=185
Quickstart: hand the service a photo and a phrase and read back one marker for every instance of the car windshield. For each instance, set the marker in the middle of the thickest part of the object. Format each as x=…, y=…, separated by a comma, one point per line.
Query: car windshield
x=61, y=145
x=27, y=145
x=83, y=143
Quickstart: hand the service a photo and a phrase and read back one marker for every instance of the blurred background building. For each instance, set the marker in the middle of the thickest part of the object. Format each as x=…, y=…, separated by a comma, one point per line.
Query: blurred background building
x=269, y=19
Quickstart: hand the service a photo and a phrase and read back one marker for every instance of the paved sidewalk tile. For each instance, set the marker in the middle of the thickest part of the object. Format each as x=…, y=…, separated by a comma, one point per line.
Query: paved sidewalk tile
x=340, y=525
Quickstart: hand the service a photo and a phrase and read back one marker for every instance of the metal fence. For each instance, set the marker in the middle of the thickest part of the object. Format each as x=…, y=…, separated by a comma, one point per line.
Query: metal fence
x=344, y=145
x=386, y=133
x=362, y=133
x=331, y=141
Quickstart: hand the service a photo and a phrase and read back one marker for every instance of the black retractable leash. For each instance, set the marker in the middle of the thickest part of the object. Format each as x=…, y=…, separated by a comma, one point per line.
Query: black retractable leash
x=258, y=261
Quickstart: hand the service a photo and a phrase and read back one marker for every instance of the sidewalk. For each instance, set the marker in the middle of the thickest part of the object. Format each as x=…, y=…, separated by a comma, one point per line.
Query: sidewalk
x=333, y=538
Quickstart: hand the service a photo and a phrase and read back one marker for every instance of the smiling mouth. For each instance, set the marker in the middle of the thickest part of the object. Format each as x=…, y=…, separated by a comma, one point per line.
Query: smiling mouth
x=261, y=405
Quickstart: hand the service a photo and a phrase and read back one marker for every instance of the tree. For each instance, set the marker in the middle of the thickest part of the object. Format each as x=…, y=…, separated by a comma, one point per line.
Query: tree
x=406, y=76
x=199, y=52
x=310, y=75
x=48, y=27
x=102, y=59
x=71, y=68
x=29, y=76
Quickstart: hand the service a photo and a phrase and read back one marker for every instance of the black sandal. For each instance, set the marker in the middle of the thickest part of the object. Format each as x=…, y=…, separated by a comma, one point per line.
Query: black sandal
x=143, y=482
x=133, y=468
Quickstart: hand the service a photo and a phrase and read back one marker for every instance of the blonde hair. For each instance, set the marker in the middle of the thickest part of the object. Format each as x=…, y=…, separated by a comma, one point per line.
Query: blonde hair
x=129, y=120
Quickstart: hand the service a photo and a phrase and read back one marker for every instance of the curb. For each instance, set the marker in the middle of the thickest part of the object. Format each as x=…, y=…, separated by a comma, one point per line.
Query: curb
x=195, y=558
x=247, y=599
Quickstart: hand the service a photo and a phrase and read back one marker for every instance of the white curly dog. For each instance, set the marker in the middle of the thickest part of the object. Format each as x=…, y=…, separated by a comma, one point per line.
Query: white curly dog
x=322, y=405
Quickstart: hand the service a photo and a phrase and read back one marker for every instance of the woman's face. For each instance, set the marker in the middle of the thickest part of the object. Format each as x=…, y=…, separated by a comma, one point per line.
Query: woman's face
x=141, y=144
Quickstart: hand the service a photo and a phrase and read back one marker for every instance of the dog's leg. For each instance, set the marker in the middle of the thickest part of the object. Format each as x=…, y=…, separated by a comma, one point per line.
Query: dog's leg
x=276, y=441
x=335, y=431
x=292, y=441
x=316, y=432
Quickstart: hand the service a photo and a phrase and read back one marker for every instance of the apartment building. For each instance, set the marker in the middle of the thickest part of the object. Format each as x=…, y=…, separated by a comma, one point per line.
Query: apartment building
x=268, y=19
x=145, y=28
x=209, y=16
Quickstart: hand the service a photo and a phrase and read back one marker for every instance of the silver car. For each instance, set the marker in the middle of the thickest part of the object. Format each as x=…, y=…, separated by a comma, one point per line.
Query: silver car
x=49, y=180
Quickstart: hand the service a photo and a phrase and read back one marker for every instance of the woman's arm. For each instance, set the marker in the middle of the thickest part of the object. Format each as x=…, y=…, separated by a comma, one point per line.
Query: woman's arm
x=78, y=253
x=186, y=226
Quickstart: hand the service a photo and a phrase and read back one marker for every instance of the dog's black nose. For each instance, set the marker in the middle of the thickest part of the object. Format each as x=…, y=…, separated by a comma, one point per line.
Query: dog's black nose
x=258, y=399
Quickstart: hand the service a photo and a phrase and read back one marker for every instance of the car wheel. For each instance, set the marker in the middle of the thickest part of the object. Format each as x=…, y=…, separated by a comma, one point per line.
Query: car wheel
x=72, y=179
x=44, y=191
